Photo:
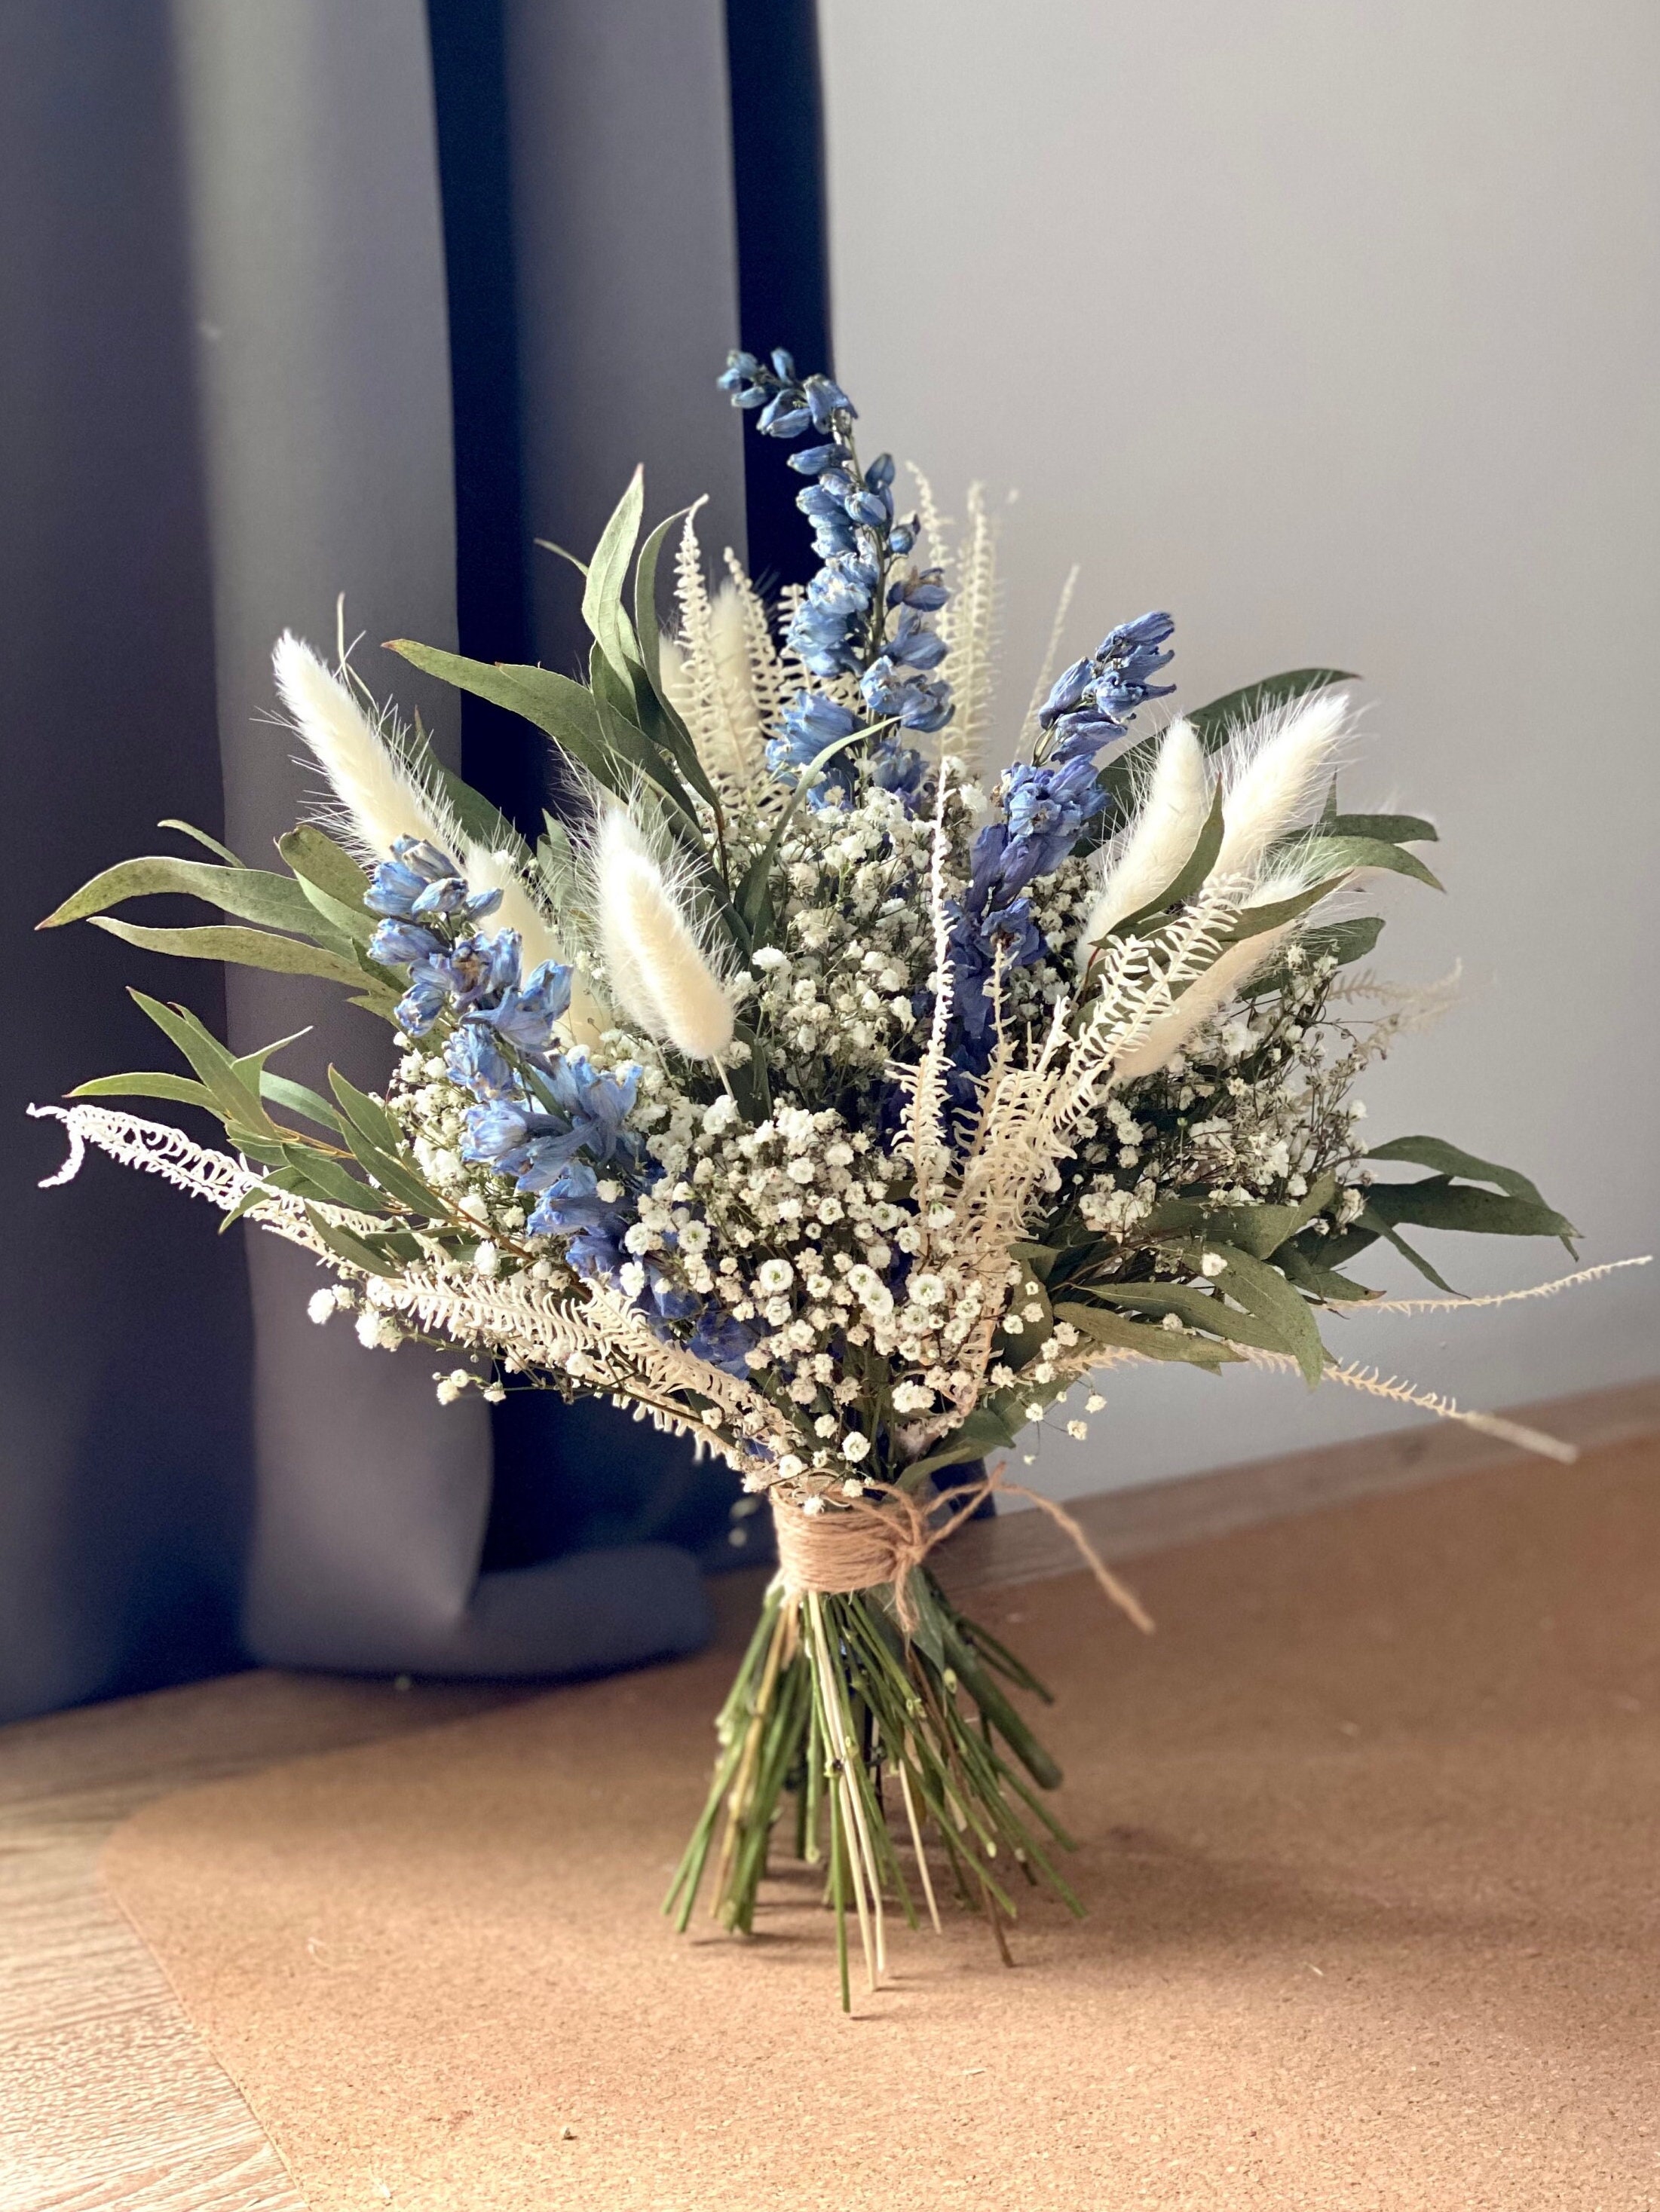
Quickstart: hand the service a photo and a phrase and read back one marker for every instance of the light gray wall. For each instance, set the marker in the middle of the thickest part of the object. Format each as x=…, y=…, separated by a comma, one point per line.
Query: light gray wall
x=1332, y=328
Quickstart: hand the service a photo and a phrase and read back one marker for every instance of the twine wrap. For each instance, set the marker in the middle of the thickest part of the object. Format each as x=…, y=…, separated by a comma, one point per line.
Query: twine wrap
x=861, y=1545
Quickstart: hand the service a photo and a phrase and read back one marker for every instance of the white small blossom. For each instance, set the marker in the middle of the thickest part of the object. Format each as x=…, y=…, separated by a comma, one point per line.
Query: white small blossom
x=855, y=1447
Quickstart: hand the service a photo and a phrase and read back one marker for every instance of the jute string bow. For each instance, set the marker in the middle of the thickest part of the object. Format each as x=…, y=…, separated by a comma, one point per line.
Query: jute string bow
x=858, y=1546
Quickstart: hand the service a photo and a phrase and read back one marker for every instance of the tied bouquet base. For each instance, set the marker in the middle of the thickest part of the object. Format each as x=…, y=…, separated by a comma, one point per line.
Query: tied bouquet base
x=882, y=1710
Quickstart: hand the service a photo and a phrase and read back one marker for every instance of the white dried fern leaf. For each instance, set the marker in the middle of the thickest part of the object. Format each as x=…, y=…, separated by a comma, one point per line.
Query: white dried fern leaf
x=597, y=1337
x=724, y=676
x=968, y=621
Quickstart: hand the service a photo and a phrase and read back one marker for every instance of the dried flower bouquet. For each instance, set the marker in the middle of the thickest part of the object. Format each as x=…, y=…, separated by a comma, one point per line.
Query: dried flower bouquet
x=828, y=1096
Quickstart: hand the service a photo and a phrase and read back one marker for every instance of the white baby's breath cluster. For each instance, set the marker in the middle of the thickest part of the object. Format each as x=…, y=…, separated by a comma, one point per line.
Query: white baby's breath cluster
x=862, y=1232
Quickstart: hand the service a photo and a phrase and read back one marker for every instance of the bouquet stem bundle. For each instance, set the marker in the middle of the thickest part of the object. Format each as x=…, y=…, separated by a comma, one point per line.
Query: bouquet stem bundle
x=880, y=1729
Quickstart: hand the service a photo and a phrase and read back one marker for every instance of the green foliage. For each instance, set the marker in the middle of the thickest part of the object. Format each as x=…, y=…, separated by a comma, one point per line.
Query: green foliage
x=1224, y=718
x=1337, y=856
x=1118, y=1333
x=275, y=902
x=1345, y=941
x=602, y=596
x=1450, y=1199
x=310, y=923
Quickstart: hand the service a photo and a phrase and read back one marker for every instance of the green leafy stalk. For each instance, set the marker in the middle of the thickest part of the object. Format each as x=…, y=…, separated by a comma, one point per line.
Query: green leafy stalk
x=935, y=1734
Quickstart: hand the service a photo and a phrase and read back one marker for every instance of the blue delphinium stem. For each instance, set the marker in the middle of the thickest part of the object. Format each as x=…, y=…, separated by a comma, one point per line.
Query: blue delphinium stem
x=543, y=1114
x=841, y=631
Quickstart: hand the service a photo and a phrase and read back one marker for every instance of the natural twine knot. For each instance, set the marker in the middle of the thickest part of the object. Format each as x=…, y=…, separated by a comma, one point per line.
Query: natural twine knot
x=862, y=1544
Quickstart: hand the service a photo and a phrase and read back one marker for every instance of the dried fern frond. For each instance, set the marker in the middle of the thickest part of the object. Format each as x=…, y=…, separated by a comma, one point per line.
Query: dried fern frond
x=934, y=525
x=1497, y=1297
x=969, y=623
x=1376, y=1385
x=595, y=1336
x=725, y=676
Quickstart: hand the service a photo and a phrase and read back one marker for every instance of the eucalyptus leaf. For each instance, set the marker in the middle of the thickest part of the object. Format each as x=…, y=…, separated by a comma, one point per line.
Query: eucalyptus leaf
x=243, y=948
x=1346, y=941
x=216, y=1066
x=602, y=592
x=1319, y=853
x=298, y=1098
x=647, y=628
x=365, y=1114
x=1144, y=1337
x=1393, y=828
x=562, y=709
x=1259, y=1229
x=480, y=818
x=213, y=844
x=1371, y=1224
x=1199, y=1308
x=250, y=1066
x=316, y=1175
x=1265, y=1294
x=1188, y=878
x=311, y=852
x=1322, y=1282
x=1438, y=1203
x=1216, y=723
x=180, y=1089
x=352, y=1249
x=1444, y=1158
x=252, y=893
x=1257, y=921
x=335, y=925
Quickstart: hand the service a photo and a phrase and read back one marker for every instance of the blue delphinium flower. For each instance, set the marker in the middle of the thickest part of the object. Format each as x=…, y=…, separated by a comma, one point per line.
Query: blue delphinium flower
x=810, y=724
x=477, y=1061
x=892, y=695
x=597, y=1102
x=398, y=944
x=842, y=625
x=1046, y=804
x=722, y=1341
x=1092, y=704
x=419, y=880
x=571, y=1203
x=528, y=1015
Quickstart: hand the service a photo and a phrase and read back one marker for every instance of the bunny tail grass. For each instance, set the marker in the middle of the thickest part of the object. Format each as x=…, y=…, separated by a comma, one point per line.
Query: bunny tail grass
x=377, y=800
x=658, y=970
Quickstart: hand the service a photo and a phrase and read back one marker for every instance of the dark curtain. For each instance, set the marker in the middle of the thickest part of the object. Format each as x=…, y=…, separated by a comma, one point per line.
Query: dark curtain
x=301, y=301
